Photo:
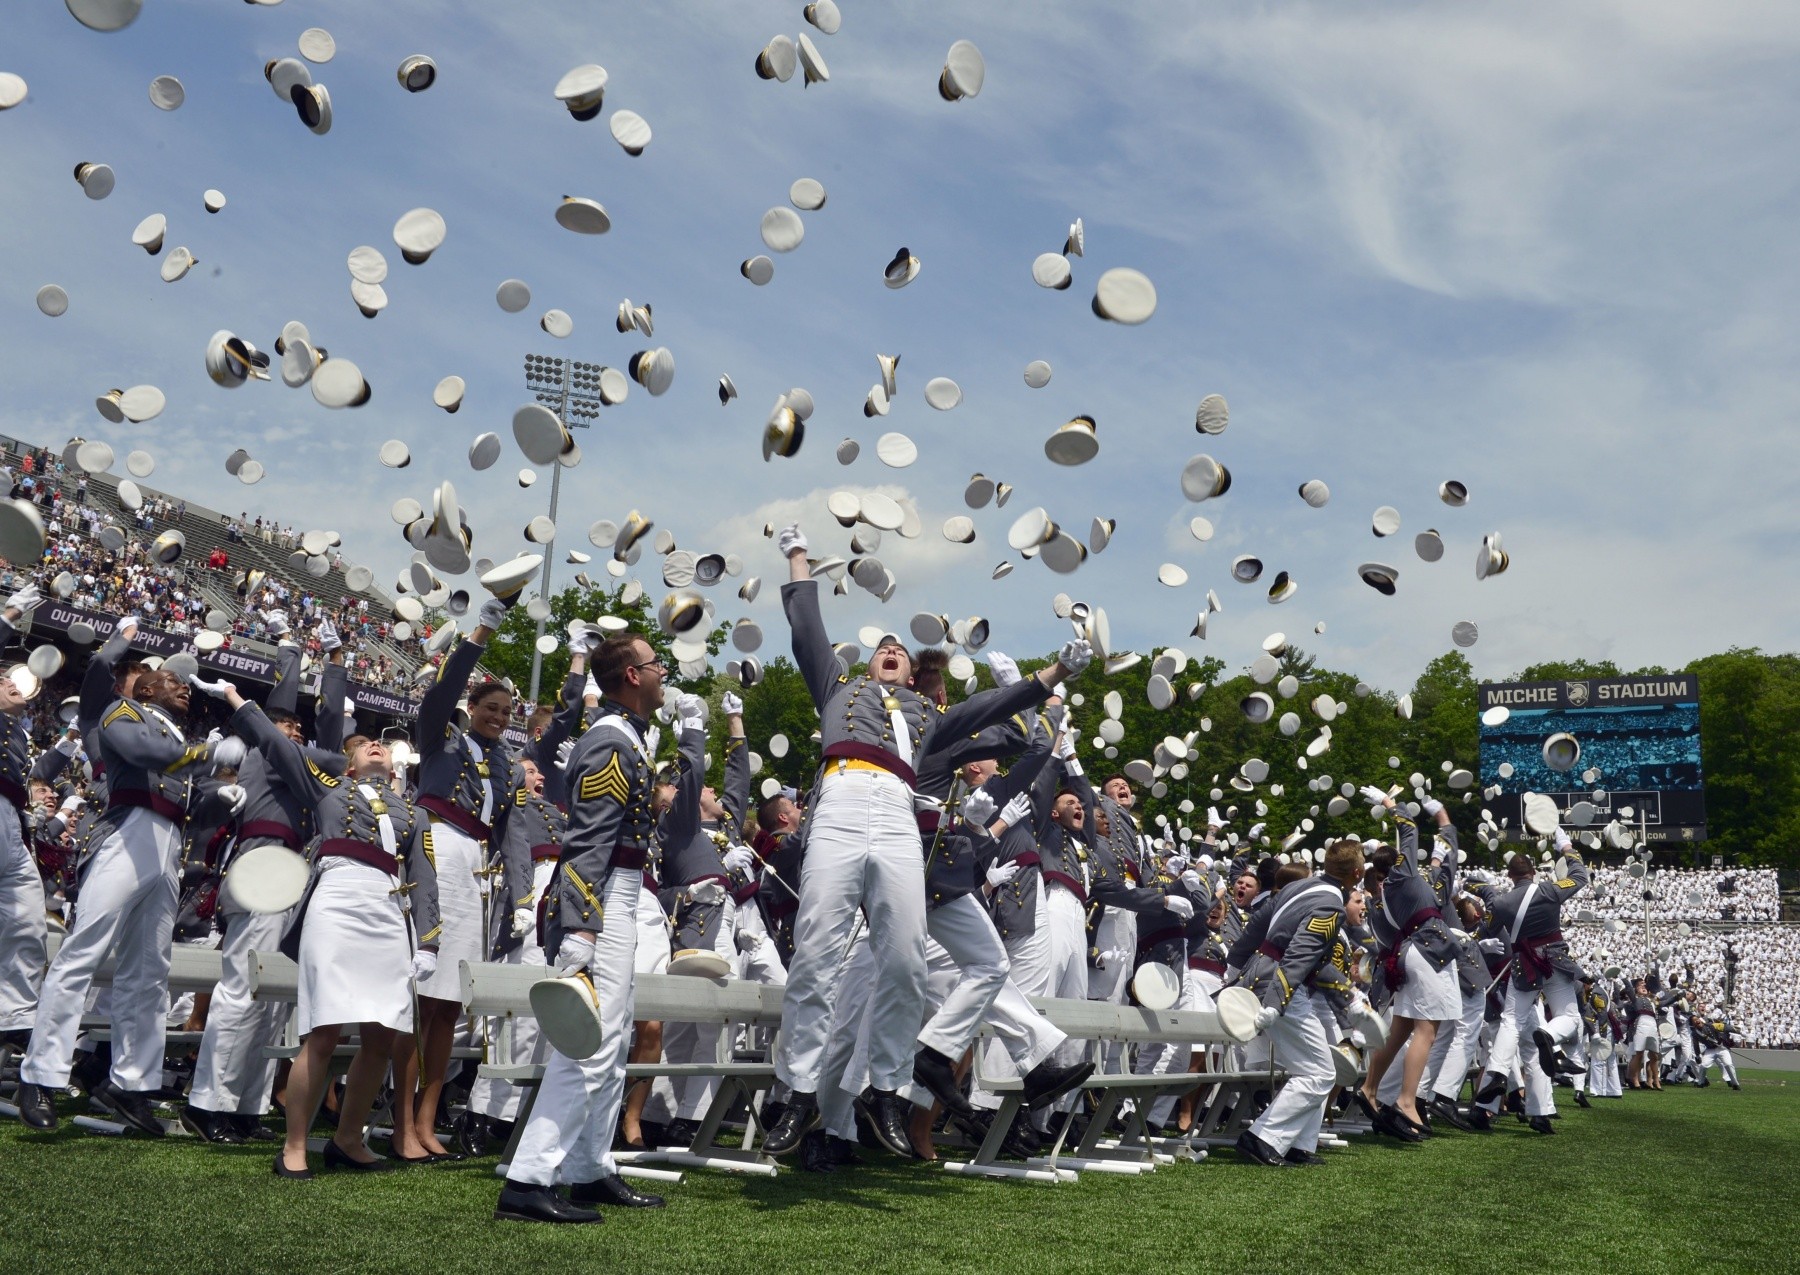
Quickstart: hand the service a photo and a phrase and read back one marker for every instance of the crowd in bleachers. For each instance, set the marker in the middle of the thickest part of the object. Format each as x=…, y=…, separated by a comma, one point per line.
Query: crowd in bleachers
x=1728, y=894
x=173, y=597
x=1765, y=1008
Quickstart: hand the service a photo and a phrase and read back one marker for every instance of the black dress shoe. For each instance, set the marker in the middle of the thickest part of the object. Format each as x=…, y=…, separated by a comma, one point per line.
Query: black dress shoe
x=891, y=1117
x=613, y=1190
x=815, y=1157
x=1302, y=1159
x=210, y=1126
x=1541, y=1124
x=252, y=1129
x=1445, y=1109
x=1047, y=1082
x=35, y=1106
x=1022, y=1140
x=132, y=1108
x=1480, y=1120
x=655, y=1134
x=680, y=1135
x=1581, y=1099
x=292, y=1175
x=1493, y=1084
x=528, y=1202
x=1546, y=1050
x=936, y=1073
x=472, y=1133
x=800, y=1118
x=1254, y=1148
x=1389, y=1121
x=1735, y=1085
x=338, y=1158
x=841, y=1150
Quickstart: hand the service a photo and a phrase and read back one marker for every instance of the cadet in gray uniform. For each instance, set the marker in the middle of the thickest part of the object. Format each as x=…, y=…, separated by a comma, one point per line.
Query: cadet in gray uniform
x=589, y=924
x=465, y=783
x=1529, y=918
x=23, y=930
x=232, y=1076
x=697, y=833
x=128, y=895
x=863, y=850
x=352, y=935
x=1291, y=968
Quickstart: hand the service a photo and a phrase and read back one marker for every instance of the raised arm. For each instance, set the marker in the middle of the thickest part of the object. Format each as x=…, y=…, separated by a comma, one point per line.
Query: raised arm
x=286, y=758
x=681, y=823
x=286, y=694
x=334, y=689
x=734, y=794
x=1022, y=773
x=438, y=708
x=817, y=662
x=97, y=683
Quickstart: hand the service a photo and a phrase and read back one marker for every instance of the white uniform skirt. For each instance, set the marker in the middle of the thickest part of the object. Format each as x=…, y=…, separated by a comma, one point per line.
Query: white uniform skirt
x=459, y=857
x=1430, y=995
x=355, y=952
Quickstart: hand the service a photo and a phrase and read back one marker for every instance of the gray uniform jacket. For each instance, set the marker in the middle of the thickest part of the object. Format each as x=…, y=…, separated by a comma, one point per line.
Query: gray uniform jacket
x=1015, y=904
x=1296, y=948
x=693, y=848
x=565, y=724
x=149, y=762
x=450, y=778
x=855, y=717
x=612, y=822
x=533, y=833
x=1406, y=913
x=963, y=854
x=349, y=824
x=1539, y=950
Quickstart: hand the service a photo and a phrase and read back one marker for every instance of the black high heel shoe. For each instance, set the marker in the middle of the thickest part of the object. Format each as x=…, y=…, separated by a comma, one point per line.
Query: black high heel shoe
x=293, y=1175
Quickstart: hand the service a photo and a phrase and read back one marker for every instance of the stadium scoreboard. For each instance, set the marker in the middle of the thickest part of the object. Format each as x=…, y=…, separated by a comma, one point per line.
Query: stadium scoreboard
x=1640, y=748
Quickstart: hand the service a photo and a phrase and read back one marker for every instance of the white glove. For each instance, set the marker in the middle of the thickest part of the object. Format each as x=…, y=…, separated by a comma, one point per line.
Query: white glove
x=1017, y=811
x=564, y=751
x=1373, y=795
x=1075, y=656
x=424, y=964
x=1359, y=1004
x=1256, y=830
x=1194, y=881
x=1065, y=742
x=524, y=921
x=592, y=688
x=732, y=705
x=584, y=642
x=1002, y=873
x=1005, y=670
x=329, y=640
x=691, y=709
x=746, y=941
x=1431, y=805
x=1265, y=1018
x=492, y=614
x=706, y=892
x=790, y=540
x=234, y=797
x=575, y=955
x=1561, y=840
x=739, y=859
x=1176, y=864
x=1114, y=956
x=216, y=689
x=228, y=752
x=1180, y=906
x=1060, y=691
x=69, y=744
x=25, y=598
x=276, y=622
x=978, y=808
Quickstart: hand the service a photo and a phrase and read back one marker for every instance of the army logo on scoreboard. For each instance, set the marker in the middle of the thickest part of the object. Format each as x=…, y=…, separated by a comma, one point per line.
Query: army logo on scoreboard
x=1578, y=694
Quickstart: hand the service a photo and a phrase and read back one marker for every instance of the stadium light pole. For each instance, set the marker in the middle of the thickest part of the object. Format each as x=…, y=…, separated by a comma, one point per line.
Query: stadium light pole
x=572, y=391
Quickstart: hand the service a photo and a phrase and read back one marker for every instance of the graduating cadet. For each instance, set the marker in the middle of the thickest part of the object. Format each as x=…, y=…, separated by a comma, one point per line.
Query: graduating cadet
x=128, y=895
x=863, y=849
x=589, y=922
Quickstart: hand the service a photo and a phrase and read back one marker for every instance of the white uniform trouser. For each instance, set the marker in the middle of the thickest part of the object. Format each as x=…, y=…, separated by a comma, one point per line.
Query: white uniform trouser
x=1029, y=961
x=499, y=1099
x=1297, y=1040
x=1563, y=1022
x=845, y=1062
x=23, y=929
x=1162, y=1057
x=569, y=1135
x=652, y=931
x=1116, y=933
x=232, y=1074
x=864, y=852
x=128, y=906
x=686, y=1097
x=759, y=961
x=1714, y=1056
x=1461, y=1041
x=982, y=991
x=1602, y=1073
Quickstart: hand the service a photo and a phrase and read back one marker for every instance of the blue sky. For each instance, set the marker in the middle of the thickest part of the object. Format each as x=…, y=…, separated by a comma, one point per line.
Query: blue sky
x=1544, y=249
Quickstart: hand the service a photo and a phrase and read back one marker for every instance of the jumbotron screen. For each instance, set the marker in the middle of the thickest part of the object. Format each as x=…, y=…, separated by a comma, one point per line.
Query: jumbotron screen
x=1640, y=748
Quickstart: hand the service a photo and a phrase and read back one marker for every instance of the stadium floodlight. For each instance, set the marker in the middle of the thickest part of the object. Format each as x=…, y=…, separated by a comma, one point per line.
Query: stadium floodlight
x=572, y=390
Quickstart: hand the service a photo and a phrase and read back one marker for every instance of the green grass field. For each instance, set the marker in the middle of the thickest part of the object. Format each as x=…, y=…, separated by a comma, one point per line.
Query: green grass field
x=1686, y=1180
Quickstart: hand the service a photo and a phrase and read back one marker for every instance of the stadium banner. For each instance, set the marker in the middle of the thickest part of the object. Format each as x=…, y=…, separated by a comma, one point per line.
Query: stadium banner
x=239, y=665
x=1640, y=750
